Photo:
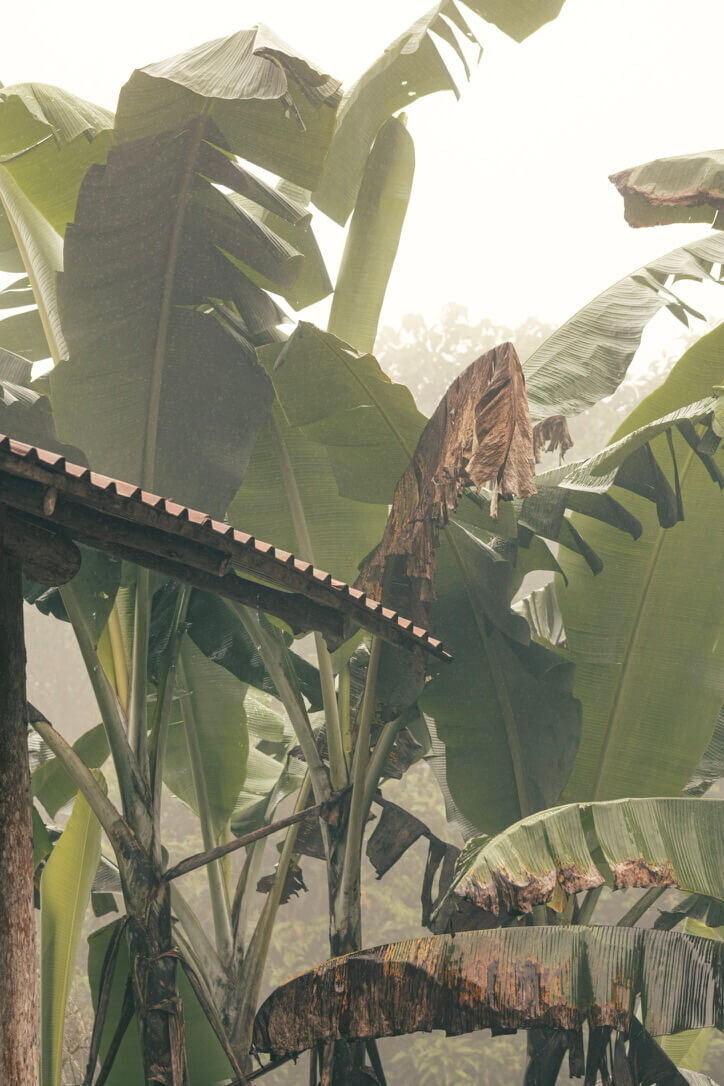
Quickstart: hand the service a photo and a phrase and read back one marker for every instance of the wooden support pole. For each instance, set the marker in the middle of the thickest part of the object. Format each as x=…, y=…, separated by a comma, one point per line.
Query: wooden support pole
x=18, y=966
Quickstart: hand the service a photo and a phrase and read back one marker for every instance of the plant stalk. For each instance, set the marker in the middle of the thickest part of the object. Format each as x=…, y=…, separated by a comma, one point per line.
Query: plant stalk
x=346, y=904
x=274, y=655
x=217, y=890
x=337, y=761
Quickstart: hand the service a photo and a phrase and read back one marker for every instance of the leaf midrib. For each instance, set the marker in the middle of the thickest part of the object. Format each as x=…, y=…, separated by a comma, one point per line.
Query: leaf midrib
x=164, y=318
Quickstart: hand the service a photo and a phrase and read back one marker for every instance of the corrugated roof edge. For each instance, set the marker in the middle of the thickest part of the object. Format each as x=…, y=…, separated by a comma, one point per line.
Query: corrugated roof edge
x=244, y=550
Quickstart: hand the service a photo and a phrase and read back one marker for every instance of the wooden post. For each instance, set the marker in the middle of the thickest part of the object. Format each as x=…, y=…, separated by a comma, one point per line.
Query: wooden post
x=18, y=966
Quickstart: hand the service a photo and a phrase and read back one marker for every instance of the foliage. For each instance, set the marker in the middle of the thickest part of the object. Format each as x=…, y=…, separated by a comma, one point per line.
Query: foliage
x=178, y=252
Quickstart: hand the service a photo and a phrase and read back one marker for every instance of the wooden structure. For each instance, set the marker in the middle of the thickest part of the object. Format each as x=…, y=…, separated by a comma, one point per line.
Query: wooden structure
x=47, y=505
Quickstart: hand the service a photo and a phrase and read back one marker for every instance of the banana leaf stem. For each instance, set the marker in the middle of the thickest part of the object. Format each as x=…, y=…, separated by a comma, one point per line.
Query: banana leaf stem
x=133, y=791
x=200, y=859
x=349, y=883
x=337, y=762
x=137, y=713
x=275, y=657
x=119, y=656
x=643, y=904
x=217, y=889
x=253, y=965
x=159, y=727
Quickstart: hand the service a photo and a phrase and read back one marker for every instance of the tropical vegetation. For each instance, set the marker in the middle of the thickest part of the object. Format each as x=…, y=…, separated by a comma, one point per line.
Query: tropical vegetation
x=164, y=276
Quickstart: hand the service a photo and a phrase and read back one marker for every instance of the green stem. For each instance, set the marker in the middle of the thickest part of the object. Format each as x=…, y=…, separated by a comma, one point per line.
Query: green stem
x=274, y=655
x=202, y=949
x=109, y=818
x=137, y=717
x=255, y=960
x=118, y=654
x=349, y=884
x=642, y=905
x=159, y=727
x=379, y=757
x=217, y=891
x=345, y=717
x=589, y=904
x=133, y=792
x=337, y=762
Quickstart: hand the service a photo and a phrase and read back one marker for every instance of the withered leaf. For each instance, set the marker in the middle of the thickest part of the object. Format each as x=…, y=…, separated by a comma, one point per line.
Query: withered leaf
x=550, y=435
x=293, y=883
x=480, y=434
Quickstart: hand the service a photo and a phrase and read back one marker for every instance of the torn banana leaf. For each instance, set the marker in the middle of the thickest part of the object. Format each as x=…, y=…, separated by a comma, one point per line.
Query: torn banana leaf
x=510, y=978
x=625, y=843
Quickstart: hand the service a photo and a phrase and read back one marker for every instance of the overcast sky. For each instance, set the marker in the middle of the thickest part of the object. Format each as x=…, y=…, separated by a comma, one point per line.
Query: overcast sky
x=512, y=213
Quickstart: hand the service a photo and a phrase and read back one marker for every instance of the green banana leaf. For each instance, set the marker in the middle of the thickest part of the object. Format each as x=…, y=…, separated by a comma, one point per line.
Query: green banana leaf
x=689, y=1049
x=206, y=1059
x=685, y=188
x=10, y=259
x=373, y=236
x=520, y=19
x=588, y=356
x=53, y=785
x=41, y=249
x=270, y=105
x=411, y=67
x=626, y=842
x=343, y=401
x=510, y=978
x=174, y=424
x=287, y=467
x=65, y=888
x=645, y=635
x=503, y=706
x=214, y=707
x=711, y=767
x=170, y=422
x=48, y=139
x=216, y=630
x=17, y=294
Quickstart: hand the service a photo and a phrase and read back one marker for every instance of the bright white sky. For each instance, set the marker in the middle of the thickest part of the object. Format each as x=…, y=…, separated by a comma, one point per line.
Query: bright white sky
x=512, y=213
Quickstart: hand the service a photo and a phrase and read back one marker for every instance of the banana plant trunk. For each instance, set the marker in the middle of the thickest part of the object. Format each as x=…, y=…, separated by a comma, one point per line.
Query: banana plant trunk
x=19, y=1050
x=345, y=936
x=159, y=1009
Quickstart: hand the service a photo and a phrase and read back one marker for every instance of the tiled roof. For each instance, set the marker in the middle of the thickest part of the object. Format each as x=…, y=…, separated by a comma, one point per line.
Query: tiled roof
x=69, y=495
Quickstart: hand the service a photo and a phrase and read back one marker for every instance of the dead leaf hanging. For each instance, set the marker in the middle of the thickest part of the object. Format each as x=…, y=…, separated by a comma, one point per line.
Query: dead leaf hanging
x=479, y=435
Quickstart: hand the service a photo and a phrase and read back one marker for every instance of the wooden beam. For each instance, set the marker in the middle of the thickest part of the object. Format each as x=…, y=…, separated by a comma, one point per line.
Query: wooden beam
x=46, y=556
x=18, y=967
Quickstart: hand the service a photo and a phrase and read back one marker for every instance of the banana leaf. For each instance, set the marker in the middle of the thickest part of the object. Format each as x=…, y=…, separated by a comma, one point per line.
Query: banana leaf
x=411, y=67
x=503, y=705
x=627, y=842
x=645, y=635
x=157, y=392
x=215, y=756
x=373, y=236
x=711, y=767
x=588, y=356
x=65, y=888
x=510, y=978
x=48, y=139
x=343, y=401
x=685, y=188
x=269, y=104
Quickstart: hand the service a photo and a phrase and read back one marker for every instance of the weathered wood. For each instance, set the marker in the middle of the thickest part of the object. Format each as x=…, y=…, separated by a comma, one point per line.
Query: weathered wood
x=44, y=555
x=96, y=513
x=18, y=966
